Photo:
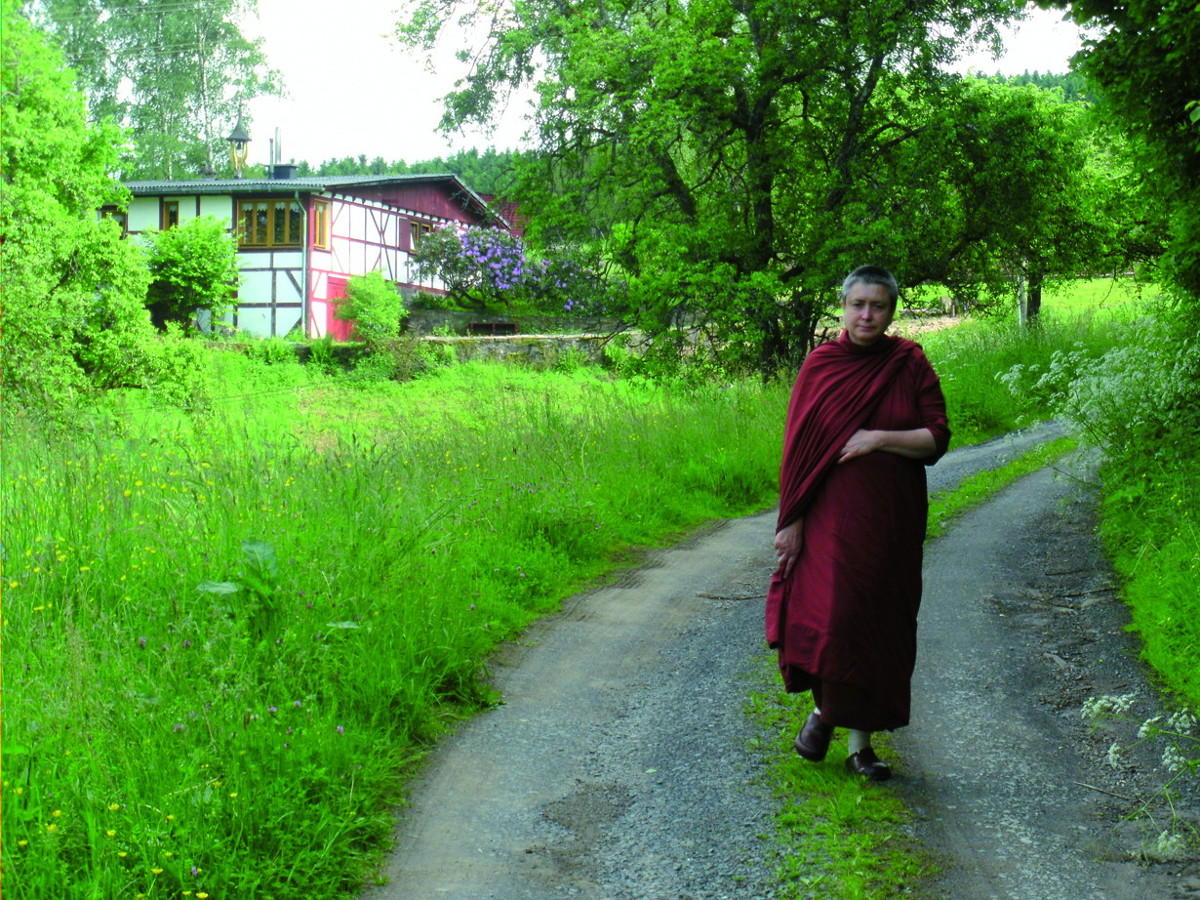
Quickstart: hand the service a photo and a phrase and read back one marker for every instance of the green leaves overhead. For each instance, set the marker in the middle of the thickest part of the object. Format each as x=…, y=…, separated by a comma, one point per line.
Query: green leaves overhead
x=1143, y=60
x=735, y=158
x=73, y=289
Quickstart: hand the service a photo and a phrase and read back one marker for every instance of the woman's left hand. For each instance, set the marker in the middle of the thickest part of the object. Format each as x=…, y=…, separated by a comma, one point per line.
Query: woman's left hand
x=861, y=443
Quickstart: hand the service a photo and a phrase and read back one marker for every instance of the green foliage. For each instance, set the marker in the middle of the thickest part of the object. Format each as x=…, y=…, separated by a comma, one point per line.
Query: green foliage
x=1143, y=64
x=1025, y=192
x=194, y=267
x=998, y=376
x=1139, y=398
x=321, y=355
x=74, y=291
x=1072, y=85
x=259, y=617
x=1139, y=404
x=181, y=369
x=1152, y=532
x=732, y=161
x=491, y=172
x=273, y=351
x=174, y=74
x=374, y=306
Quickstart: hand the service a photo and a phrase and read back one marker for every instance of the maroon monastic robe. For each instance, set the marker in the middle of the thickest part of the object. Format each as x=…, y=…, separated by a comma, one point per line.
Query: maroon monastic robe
x=845, y=621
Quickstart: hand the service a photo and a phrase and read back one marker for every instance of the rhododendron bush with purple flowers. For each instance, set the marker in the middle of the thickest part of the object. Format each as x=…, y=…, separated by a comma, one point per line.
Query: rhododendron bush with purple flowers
x=491, y=268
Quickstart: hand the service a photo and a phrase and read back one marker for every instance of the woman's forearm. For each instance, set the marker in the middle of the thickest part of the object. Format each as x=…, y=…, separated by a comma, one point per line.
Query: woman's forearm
x=916, y=443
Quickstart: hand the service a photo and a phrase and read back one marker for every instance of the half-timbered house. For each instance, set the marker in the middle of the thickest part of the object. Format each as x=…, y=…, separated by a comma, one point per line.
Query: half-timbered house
x=300, y=239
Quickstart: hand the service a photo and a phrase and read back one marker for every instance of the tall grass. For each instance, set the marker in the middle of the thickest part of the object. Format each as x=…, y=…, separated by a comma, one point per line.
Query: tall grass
x=226, y=639
x=998, y=375
x=229, y=634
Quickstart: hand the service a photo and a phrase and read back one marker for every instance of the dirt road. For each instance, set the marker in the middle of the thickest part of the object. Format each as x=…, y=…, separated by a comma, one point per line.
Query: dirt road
x=618, y=765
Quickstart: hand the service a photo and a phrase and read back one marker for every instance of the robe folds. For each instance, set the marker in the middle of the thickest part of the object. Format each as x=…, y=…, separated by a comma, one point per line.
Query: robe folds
x=845, y=620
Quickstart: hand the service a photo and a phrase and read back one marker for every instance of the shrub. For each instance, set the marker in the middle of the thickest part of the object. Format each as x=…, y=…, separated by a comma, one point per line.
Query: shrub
x=1138, y=393
x=374, y=306
x=274, y=351
x=489, y=268
x=193, y=267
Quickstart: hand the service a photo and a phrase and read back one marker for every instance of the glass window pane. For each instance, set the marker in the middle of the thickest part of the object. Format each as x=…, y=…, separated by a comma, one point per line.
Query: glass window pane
x=279, y=235
x=295, y=224
x=260, y=223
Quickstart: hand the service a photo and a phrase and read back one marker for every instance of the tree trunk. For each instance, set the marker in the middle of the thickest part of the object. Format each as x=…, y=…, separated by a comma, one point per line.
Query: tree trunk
x=1033, y=302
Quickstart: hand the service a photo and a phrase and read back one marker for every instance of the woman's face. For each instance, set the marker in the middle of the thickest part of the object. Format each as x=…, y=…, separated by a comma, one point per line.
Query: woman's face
x=866, y=313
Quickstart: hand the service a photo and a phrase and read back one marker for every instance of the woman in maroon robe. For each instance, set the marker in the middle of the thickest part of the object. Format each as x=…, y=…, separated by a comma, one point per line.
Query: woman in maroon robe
x=866, y=416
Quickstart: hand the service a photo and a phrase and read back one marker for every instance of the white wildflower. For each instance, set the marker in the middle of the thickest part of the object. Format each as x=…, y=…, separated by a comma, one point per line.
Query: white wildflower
x=1173, y=760
x=1150, y=728
x=1169, y=845
x=1114, y=756
x=1107, y=705
x=1182, y=722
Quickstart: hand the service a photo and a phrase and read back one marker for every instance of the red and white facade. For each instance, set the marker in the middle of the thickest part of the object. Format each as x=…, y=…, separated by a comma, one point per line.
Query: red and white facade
x=300, y=240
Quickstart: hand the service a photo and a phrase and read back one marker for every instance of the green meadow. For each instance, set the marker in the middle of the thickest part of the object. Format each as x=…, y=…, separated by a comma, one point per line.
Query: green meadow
x=231, y=632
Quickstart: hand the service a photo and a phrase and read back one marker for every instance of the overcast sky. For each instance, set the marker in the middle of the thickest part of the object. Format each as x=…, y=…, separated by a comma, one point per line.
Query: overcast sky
x=351, y=90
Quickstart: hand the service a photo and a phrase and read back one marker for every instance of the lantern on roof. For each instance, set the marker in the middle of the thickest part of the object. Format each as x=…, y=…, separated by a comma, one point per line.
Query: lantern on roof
x=239, y=146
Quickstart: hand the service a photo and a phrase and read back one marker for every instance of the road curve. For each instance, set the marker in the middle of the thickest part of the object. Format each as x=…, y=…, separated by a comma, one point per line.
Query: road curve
x=618, y=765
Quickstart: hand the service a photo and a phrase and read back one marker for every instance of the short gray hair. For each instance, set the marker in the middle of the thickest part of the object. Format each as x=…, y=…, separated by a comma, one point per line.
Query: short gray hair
x=872, y=275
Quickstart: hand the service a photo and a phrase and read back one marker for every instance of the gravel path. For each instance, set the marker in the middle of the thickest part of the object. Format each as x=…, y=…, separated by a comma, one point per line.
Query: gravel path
x=618, y=766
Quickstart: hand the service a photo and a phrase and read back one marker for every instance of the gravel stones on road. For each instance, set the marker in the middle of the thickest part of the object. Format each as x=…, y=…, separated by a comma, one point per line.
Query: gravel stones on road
x=618, y=764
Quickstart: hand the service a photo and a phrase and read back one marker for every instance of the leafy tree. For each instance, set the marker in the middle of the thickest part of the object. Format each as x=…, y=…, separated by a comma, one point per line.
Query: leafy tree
x=1144, y=62
x=174, y=73
x=194, y=267
x=1017, y=187
x=374, y=306
x=1073, y=85
x=74, y=291
x=480, y=267
x=734, y=158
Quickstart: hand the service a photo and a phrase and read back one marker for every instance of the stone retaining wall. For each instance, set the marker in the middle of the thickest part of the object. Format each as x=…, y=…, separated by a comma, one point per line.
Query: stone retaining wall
x=540, y=350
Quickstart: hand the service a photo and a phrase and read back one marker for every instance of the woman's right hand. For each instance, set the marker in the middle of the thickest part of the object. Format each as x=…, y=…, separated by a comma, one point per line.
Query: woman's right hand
x=789, y=541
